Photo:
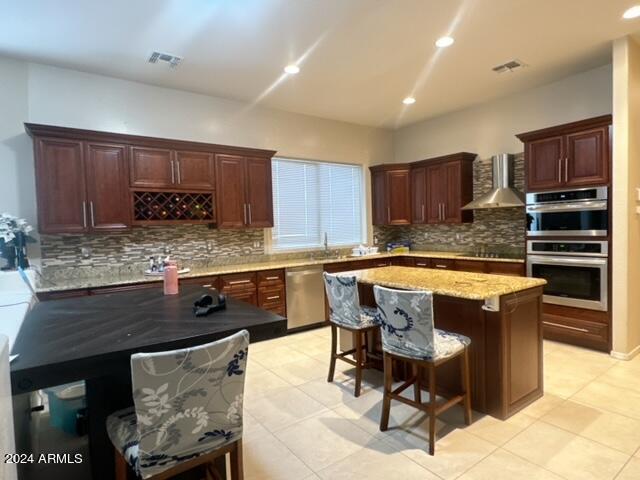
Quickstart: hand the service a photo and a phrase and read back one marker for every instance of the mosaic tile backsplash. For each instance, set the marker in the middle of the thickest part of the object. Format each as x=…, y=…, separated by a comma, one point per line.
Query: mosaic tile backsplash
x=185, y=243
x=501, y=230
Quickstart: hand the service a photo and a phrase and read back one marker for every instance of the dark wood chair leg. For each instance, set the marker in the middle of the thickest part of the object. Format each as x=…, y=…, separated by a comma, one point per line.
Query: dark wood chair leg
x=334, y=346
x=388, y=385
x=237, y=469
x=466, y=384
x=359, y=362
x=121, y=466
x=432, y=409
x=417, y=387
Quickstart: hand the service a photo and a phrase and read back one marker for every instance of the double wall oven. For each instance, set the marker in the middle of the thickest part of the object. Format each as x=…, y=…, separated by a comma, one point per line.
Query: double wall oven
x=576, y=272
x=567, y=246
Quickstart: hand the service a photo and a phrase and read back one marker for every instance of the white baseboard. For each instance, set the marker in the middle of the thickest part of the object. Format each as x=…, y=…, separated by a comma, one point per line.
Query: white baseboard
x=626, y=356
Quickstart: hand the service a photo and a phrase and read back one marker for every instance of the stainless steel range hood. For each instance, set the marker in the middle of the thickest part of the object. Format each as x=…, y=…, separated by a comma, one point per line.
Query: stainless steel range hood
x=503, y=194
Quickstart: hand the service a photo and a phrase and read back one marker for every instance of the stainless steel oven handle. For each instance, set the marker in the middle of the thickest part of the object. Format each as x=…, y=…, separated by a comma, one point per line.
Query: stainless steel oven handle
x=569, y=207
x=595, y=262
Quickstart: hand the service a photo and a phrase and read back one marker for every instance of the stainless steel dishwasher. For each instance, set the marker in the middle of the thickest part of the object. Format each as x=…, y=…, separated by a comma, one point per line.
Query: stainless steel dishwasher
x=305, y=296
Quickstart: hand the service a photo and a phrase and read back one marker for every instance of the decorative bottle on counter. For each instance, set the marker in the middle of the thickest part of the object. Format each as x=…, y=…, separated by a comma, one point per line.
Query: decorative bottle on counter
x=171, y=278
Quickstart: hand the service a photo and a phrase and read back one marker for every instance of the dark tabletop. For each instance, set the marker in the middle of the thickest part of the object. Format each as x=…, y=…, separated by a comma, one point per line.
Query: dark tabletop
x=79, y=338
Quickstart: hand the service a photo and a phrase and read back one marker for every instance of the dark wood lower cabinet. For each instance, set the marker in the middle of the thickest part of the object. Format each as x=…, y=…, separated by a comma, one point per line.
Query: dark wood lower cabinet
x=587, y=328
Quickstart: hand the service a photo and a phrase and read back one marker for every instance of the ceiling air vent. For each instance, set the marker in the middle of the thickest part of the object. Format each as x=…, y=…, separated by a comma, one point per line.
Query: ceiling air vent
x=509, y=66
x=172, y=60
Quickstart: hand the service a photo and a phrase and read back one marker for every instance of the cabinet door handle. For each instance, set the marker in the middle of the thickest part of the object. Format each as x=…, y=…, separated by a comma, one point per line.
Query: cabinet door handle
x=244, y=210
x=249, y=208
x=444, y=211
x=178, y=171
x=566, y=169
x=173, y=173
x=93, y=220
x=272, y=278
x=238, y=282
x=207, y=285
x=389, y=214
x=560, y=170
x=438, y=265
x=421, y=264
x=567, y=327
x=422, y=214
x=84, y=214
x=275, y=297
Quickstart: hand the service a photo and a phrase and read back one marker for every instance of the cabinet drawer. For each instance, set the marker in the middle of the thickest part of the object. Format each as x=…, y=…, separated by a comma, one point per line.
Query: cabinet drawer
x=271, y=295
x=506, y=268
x=124, y=288
x=270, y=277
x=383, y=262
x=475, y=266
x=576, y=331
x=204, y=282
x=244, y=295
x=422, y=262
x=443, y=263
x=242, y=281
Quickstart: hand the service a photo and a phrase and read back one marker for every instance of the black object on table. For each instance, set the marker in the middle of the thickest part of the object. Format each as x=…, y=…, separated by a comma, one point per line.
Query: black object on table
x=92, y=338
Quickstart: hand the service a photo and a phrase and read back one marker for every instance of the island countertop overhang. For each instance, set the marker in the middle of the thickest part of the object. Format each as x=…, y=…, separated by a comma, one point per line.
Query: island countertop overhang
x=467, y=285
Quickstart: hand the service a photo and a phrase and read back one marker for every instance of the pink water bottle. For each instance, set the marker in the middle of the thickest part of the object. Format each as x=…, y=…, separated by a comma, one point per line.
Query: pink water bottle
x=171, y=278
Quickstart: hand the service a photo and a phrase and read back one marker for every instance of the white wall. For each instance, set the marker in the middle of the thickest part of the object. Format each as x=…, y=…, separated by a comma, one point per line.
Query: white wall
x=490, y=128
x=16, y=162
x=626, y=180
x=56, y=96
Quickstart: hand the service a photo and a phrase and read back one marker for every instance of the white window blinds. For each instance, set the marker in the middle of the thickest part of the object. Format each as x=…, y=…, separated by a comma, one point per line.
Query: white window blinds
x=314, y=198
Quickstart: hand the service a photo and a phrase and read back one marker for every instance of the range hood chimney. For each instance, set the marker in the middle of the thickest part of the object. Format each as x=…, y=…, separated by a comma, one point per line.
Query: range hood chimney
x=503, y=194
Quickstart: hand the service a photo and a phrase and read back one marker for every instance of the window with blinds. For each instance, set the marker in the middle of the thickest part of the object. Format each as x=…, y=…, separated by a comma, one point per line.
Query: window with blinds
x=314, y=198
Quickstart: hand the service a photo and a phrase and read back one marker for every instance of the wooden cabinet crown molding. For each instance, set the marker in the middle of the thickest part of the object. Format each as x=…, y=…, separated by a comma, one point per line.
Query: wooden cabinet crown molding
x=460, y=156
x=39, y=130
x=589, y=123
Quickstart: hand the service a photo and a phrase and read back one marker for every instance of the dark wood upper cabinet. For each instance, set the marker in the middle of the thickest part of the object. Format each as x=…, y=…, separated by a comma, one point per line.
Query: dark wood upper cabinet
x=230, y=191
x=571, y=155
x=435, y=189
x=419, y=195
x=60, y=186
x=244, y=191
x=587, y=159
x=428, y=191
x=90, y=181
x=449, y=185
x=544, y=159
x=107, y=192
x=391, y=194
x=152, y=168
x=194, y=170
x=259, y=192
x=378, y=197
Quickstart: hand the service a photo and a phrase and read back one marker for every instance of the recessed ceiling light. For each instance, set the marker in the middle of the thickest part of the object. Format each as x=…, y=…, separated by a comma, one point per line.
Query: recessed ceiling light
x=409, y=101
x=633, y=12
x=292, y=69
x=443, y=42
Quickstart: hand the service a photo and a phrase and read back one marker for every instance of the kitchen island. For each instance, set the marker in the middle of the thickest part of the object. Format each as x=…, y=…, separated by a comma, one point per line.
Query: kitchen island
x=502, y=316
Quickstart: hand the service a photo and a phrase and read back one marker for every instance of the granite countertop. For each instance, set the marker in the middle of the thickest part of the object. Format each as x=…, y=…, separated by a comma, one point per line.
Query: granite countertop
x=115, y=279
x=471, y=286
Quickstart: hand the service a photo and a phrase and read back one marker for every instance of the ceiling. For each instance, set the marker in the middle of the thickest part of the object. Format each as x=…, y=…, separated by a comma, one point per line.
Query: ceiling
x=358, y=58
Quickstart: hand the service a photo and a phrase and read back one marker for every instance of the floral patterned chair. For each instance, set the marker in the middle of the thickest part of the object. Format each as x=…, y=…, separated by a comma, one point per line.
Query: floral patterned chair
x=187, y=410
x=346, y=313
x=409, y=335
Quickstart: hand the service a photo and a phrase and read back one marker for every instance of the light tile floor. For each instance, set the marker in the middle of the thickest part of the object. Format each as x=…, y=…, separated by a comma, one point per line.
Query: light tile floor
x=298, y=426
